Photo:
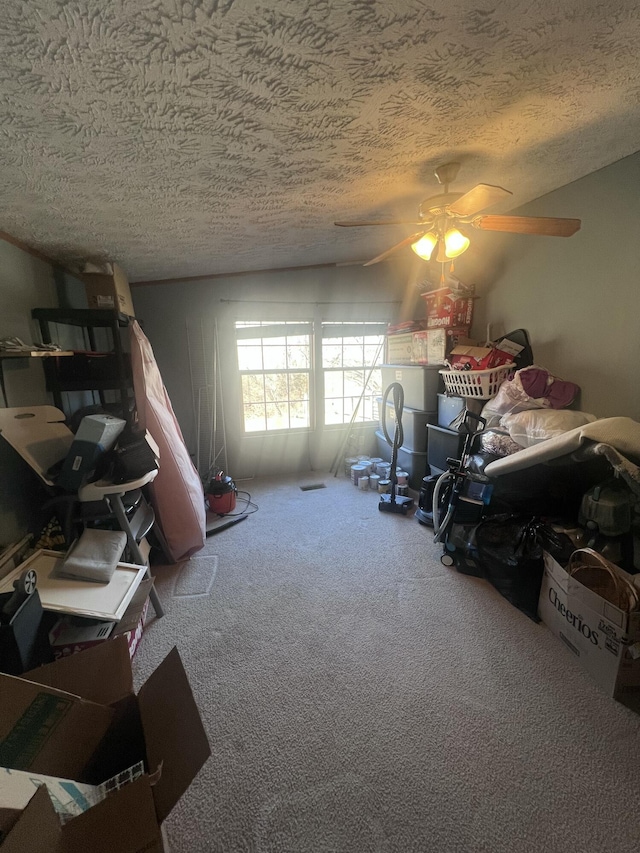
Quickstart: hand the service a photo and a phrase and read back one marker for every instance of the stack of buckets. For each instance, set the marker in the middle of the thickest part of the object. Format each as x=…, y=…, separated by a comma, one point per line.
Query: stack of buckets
x=372, y=474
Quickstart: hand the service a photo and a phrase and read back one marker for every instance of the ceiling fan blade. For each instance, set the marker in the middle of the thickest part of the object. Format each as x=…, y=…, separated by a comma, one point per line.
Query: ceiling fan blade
x=406, y=242
x=383, y=222
x=478, y=198
x=545, y=226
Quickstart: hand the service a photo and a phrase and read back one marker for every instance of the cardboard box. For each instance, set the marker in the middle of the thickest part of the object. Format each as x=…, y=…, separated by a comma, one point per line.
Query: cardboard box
x=70, y=636
x=447, y=310
x=478, y=357
x=109, y=291
x=35, y=719
x=431, y=346
x=604, y=639
x=160, y=725
x=400, y=348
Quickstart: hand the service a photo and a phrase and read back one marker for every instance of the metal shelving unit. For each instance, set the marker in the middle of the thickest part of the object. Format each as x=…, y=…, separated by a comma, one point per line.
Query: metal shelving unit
x=93, y=369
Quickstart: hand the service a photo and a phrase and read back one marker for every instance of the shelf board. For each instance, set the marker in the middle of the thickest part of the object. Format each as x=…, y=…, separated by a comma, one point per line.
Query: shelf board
x=82, y=316
x=34, y=353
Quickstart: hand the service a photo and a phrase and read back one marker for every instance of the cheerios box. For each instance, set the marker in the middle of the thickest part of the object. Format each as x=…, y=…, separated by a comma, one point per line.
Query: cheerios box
x=603, y=639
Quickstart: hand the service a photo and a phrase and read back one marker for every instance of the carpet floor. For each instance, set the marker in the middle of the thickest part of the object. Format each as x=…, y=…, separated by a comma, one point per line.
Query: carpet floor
x=359, y=696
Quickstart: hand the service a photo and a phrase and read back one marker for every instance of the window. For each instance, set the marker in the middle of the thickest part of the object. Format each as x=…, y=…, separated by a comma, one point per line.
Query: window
x=279, y=385
x=274, y=359
x=351, y=358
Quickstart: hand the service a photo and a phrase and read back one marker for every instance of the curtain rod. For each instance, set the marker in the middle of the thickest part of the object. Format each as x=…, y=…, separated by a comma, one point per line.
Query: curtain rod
x=329, y=302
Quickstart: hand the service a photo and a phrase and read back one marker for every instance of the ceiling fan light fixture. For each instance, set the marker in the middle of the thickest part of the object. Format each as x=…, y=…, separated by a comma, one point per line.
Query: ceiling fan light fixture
x=455, y=243
x=425, y=245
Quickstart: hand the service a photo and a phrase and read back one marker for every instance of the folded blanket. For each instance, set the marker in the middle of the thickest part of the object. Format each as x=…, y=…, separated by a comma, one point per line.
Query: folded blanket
x=94, y=556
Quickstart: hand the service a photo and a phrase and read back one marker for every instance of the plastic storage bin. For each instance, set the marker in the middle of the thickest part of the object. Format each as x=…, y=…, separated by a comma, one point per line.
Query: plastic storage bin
x=442, y=444
x=449, y=408
x=414, y=425
x=420, y=383
x=415, y=464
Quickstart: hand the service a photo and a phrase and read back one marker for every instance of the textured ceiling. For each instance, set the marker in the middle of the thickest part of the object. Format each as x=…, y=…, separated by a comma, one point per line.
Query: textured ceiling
x=182, y=138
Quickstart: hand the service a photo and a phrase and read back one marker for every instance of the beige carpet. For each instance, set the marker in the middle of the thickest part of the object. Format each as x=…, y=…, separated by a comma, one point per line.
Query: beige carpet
x=360, y=697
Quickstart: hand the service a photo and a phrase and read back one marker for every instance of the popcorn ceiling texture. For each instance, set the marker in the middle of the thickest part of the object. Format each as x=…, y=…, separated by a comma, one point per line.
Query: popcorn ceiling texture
x=182, y=138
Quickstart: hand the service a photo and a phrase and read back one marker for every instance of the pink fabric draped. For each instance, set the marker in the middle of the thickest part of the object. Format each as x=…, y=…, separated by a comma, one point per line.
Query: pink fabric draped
x=176, y=494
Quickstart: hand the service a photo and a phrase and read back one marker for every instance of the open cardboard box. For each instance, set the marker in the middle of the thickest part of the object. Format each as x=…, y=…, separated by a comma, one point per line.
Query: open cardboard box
x=79, y=718
x=604, y=639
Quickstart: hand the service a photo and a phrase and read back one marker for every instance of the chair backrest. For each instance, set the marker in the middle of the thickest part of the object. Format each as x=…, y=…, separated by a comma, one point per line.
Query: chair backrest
x=38, y=434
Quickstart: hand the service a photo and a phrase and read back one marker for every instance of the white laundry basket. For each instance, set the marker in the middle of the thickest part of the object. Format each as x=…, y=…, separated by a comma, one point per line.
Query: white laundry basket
x=481, y=384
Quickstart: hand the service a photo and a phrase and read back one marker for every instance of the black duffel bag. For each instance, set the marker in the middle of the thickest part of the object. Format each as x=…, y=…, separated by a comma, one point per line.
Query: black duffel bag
x=510, y=550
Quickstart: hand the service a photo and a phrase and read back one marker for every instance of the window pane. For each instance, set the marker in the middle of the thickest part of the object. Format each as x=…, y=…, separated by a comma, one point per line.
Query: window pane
x=275, y=357
x=333, y=412
x=369, y=410
x=375, y=383
x=333, y=380
x=277, y=415
x=300, y=415
x=331, y=355
x=275, y=386
x=299, y=386
x=353, y=356
x=350, y=404
x=254, y=419
x=353, y=382
x=298, y=355
x=253, y=388
x=370, y=352
x=249, y=357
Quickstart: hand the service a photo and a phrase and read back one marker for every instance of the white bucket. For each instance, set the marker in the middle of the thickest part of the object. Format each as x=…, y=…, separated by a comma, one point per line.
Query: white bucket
x=374, y=479
x=358, y=471
x=348, y=462
x=402, y=478
x=363, y=483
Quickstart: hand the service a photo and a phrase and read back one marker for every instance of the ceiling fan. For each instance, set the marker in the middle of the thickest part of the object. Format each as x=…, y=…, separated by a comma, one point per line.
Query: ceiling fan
x=442, y=216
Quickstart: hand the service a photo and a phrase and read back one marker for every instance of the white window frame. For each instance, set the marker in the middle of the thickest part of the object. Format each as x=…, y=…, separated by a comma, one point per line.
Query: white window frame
x=260, y=331
x=355, y=411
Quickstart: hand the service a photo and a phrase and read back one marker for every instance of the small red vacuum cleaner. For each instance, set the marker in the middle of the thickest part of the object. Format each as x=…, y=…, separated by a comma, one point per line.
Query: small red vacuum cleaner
x=221, y=494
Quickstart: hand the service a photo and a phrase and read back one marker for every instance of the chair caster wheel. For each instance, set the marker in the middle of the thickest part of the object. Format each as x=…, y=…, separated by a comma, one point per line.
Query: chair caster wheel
x=26, y=583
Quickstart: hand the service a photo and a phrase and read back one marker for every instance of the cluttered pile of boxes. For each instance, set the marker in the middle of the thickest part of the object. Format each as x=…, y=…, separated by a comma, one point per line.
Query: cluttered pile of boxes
x=86, y=763
x=416, y=352
x=448, y=319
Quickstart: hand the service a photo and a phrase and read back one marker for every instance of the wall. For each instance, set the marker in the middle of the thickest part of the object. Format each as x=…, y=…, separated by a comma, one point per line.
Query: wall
x=176, y=317
x=578, y=297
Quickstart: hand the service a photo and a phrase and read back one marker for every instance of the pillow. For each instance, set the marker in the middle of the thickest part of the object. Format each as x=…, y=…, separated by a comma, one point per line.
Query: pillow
x=536, y=425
